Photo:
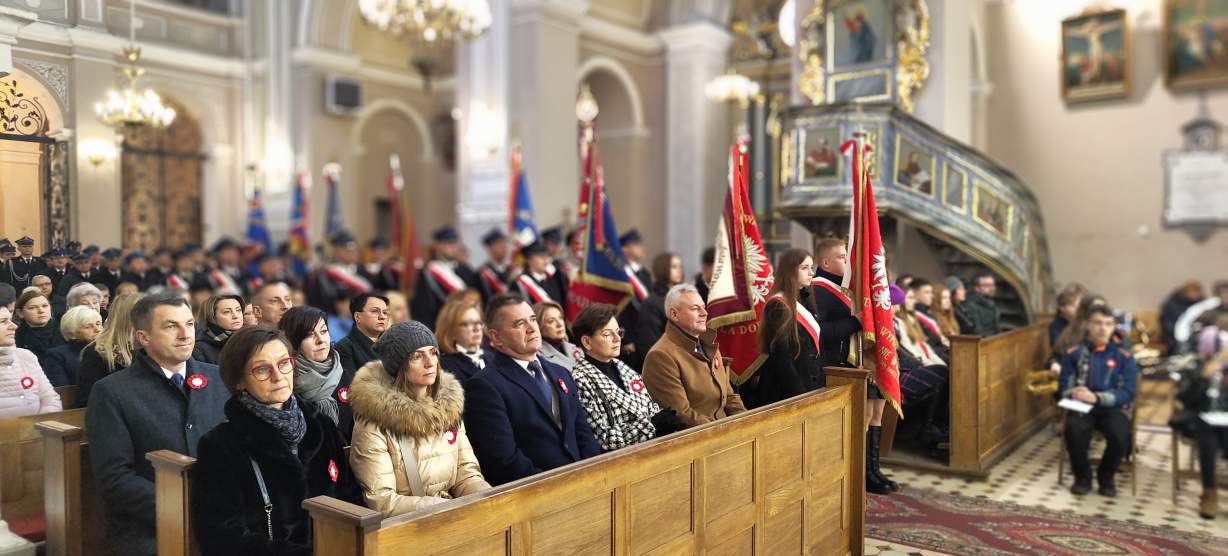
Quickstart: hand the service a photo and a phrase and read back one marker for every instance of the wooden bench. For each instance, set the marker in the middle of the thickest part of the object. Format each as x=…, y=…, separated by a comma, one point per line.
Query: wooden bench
x=21, y=467
x=991, y=413
x=73, y=505
x=788, y=478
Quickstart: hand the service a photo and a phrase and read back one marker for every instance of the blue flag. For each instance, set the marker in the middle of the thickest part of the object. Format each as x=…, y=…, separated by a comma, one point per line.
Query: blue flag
x=257, y=227
x=603, y=277
x=332, y=222
x=523, y=229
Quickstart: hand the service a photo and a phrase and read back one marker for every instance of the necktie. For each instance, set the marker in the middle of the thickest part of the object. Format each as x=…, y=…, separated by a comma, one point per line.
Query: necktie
x=178, y=380
x=542, y=383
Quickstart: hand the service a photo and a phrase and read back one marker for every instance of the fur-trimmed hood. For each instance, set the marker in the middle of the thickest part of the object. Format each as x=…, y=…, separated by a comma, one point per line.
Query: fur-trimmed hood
x=374, y=398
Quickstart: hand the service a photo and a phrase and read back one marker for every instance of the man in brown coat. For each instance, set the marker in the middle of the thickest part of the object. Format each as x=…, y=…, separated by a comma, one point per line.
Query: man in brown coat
x=684, y=371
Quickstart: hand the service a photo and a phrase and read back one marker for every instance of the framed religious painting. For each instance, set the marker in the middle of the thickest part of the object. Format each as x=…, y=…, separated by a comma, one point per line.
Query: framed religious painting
x=914, y=167
x=991, y=210
x=954, y=187
x=821, y=153
x=861, y=30
x=1195, y=35
x=1095, y=56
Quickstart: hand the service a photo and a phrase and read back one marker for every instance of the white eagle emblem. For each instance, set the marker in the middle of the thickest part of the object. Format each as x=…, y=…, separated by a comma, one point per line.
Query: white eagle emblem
x=879, y=288
x=758, y=266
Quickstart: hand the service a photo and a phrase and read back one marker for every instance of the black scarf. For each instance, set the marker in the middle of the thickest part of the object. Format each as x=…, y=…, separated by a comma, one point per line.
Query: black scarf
x=609, y=369
x=287, y=421
x=216, y=334
x=39, y=339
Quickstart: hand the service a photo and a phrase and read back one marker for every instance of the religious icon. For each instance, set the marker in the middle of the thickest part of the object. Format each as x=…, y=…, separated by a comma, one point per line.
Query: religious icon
x=992, y=210
x=914, y=167
x=861, y=30
x=1195, y=43
x=821, y=159
x=954, y=187
x=1095, y=56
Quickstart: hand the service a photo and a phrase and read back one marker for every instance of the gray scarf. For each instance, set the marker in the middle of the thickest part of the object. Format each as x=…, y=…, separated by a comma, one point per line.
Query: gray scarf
x=7, y=355
x=316, y=382
x=288, y=421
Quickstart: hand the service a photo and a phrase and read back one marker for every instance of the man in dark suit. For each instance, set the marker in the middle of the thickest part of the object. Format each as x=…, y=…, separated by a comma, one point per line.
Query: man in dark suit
x=7, y=251
x=57, y=266
x=163, y=266
x=522, y=413
x=111, y=270
x=163, y=401
x=495, y=274
x=138, y=271
x=80, y=272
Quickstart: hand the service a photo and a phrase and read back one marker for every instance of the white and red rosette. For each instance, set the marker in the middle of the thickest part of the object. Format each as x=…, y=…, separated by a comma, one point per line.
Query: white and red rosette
x=450, y=436
x=637, y=386
x=196, y=382
x=26, y=382
x=563, y=387
x=333, y=472
x=343, y=395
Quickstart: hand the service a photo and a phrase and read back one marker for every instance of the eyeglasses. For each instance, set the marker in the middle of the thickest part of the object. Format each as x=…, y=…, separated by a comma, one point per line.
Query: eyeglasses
x=470, y=324
x=417, y=356
x=263, y=372
x=611, y=335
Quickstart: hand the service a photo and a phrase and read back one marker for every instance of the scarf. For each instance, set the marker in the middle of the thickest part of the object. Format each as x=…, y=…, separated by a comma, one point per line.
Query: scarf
x=475, y=356
x=216, y=334
x=6, y=355
x=41, y=338
x=317, y=381
x=287, y=421
x=609, y=369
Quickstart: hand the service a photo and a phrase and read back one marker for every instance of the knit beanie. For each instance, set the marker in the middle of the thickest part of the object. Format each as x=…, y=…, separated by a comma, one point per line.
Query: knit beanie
x=400, y=341
x=897, y=295
x=952, y=283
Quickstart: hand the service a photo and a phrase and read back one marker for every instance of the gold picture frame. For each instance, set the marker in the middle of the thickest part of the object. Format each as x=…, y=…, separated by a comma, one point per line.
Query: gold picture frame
x=947, y=170
x=913, y=176
x=1096, y=56
x=1186, y=66
x=992, y=210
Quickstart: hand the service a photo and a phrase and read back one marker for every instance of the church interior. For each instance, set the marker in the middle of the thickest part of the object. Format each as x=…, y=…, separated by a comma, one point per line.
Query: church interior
x=770, y=277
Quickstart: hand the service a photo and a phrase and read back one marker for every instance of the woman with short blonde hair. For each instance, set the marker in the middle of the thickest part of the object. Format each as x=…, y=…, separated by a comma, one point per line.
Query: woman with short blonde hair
x=79, y=326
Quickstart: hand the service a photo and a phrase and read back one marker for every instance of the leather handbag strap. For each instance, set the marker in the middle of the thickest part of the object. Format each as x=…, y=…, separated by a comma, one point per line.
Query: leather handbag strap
x=411, y=466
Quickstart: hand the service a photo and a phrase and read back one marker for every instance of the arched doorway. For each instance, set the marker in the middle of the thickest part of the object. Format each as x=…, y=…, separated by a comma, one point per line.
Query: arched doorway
x=395, y=127
x=34, y=185
x=162, y=177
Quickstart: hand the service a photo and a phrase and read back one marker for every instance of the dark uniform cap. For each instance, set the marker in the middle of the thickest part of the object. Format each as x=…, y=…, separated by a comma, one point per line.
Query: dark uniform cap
x=378, y=243
x=80, y=257
x=342, y=238
x=535, y=248
x=7, y=248
x=56, y=252
x=112, y=253
x=184, y=252
x=133, y=256
x=495, y=234
x=5, y=241
x=25, y=241
x=552, y=235
x=90, y=249
x=445, y=234
x=224, y=243
x=632, y=236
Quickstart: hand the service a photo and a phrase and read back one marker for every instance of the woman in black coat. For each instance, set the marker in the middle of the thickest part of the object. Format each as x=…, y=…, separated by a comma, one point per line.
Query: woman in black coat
x=789, y=335
x=650, y=326
x=459, y=329
x=222, y=316
x=272, y=438
x=39, y=330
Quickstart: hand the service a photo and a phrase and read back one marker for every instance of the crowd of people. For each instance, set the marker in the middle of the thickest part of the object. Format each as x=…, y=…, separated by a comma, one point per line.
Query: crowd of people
x=266, y=377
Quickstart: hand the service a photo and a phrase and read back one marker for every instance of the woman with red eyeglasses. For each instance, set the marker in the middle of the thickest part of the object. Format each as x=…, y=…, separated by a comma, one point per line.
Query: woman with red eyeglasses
x=275, y=450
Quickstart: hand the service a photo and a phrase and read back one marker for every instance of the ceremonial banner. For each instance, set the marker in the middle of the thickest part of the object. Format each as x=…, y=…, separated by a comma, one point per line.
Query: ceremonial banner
x=741, y=276
x=257, y=226
x=300, y=245
x=601, y=278
x=521, y=225
x=332, y=222
x=402, y=221
x=867, y=276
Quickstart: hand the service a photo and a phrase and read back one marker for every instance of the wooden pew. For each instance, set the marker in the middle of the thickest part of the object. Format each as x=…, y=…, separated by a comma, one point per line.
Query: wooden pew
x=783, y=479
x=172, y=480
x=73, y=505
x=21, y=468
x=68, y=396
x=991, y=413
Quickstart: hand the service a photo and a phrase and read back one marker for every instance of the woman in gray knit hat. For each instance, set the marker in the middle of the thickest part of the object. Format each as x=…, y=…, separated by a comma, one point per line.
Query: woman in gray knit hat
x=409, y=448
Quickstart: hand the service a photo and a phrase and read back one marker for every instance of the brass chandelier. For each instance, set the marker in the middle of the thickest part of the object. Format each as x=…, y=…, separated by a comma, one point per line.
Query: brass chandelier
x=131, y=107
x=428, y=20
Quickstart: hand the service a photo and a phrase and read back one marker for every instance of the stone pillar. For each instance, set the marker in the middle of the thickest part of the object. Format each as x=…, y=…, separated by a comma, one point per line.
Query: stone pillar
x=482, y=138
x=696, y=134
x=279, y=160
x=945, y=100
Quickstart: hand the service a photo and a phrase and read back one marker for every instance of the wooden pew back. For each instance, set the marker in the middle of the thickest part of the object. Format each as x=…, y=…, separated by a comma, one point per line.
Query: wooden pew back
x=73, y=503
x=783, y=479
x=22, y=463
x=991, y=411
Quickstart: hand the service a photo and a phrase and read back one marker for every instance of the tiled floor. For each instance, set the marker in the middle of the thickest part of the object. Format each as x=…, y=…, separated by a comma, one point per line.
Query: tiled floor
x=1029, y=477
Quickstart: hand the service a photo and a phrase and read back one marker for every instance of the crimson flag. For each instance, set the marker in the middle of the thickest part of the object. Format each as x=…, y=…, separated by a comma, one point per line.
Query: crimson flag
x=867, y=278
x=402, y=221
x=741, y=276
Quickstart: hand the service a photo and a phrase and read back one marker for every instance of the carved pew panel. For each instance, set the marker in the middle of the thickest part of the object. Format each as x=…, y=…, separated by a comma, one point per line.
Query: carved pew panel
x=73, y=504
x=22, y=466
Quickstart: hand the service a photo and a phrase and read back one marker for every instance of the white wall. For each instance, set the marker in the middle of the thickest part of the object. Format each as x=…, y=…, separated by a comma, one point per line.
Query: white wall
x=1096, y=167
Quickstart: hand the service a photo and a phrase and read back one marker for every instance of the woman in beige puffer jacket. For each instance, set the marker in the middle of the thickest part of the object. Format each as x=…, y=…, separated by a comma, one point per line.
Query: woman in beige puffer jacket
x=388, y=418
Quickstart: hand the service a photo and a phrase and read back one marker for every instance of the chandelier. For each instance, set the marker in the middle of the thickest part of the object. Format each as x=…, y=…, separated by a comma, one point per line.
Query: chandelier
x=428, y=20
x=732, y=86
x=131, y=107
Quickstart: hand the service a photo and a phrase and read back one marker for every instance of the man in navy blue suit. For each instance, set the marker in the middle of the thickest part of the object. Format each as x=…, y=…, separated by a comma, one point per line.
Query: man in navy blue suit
x=522, y=413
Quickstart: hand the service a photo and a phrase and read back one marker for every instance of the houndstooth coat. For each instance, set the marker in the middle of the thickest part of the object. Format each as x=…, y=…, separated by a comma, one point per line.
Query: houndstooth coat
x=619, y=415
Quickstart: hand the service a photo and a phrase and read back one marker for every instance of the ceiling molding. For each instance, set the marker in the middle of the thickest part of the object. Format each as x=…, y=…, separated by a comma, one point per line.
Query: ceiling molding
x=87, y=41
x=351, y=64
x=634, y=40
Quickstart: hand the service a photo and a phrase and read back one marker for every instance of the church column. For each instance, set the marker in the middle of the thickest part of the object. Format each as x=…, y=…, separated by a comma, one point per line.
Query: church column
x=482, y=138
x=279, y=161
x=697, y=135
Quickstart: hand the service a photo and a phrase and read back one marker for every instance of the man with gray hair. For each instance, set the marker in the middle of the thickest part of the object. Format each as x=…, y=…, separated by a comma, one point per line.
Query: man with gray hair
x=684, y=370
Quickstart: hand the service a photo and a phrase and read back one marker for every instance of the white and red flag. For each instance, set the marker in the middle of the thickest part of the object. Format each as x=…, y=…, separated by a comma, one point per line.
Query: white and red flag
x=741, y=275
x=867, y=279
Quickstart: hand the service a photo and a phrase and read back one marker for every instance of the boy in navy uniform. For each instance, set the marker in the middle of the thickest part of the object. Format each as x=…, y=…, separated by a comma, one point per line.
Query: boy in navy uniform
x=1101, y=373
x=495, y=274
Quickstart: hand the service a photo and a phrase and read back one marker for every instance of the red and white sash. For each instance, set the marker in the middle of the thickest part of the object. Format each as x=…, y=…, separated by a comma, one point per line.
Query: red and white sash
x=804, y=318
x=352, y=282
x=445, y=276
x=222, y=283
x=834, y=288
x=928, y=322
x=530, y=287
x=496, y=286
x=177, y=282
x=636, y=285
